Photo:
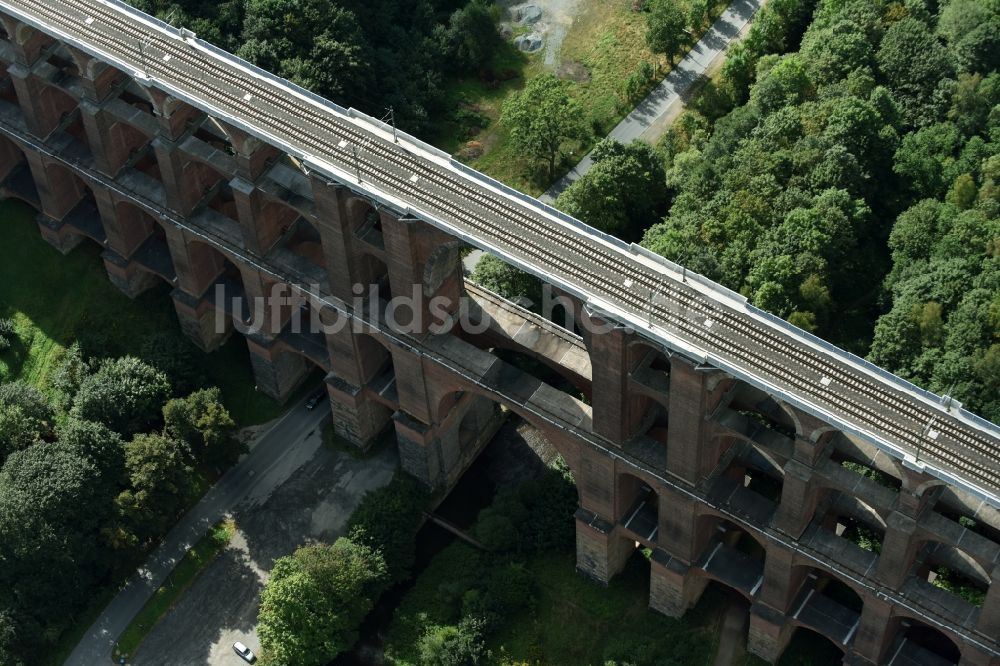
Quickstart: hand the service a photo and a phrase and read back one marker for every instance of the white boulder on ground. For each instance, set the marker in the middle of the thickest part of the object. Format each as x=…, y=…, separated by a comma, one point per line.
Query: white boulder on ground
x=529, y=43
x=526, y=14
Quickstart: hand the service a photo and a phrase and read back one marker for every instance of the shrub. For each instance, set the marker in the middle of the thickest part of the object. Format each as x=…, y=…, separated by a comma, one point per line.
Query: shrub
x=458, y=645
x=387, y=519
x=496, y=531
x=507, y=588
x=25, y=417
x=471, y=122
x=69, y=374
x=8, y=333
x=552, y=501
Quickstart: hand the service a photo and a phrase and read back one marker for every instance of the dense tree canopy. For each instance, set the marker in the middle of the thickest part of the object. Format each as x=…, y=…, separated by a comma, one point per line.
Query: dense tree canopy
x=315, y=599
x=874, y=150
x=387, y=520
x=76, y=503
x=125, y=394
x=791, y=196
x=25, y=417
x=371, y=54
x=52, y=504
x=623, y=193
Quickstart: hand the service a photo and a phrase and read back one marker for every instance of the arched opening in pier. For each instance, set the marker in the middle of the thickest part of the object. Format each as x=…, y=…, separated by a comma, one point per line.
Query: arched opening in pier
x=365, y=222
x=730, y=554
x=303, y=333
x=218, y=279
x=638, y=508
x=850, y=518
x=952, y=570
x=8, y=94
x=518, y=363
x=877, y=467
x=305, y=242
x=759, y=475
x=969, y=512
x=468, y=419
x=377, y=367
x=811, y=647
x=273, y=223
x=763, y=412
x=146, y=163
x=649, y=388
x=16, y=179
x=143, y=235
x=222, y=201
x=135, y=96
x=826, y=605
x=919, y=643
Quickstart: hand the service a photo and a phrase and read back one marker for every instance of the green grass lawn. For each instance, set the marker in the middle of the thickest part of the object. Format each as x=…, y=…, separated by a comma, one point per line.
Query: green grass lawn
x=54, y=299
x=605, y=44
x=183, y=575
x=573, y=620
x=577, y=621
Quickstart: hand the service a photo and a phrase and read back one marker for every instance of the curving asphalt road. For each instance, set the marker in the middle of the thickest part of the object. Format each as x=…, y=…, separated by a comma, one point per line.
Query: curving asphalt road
x=278, y=453
x=675, y=86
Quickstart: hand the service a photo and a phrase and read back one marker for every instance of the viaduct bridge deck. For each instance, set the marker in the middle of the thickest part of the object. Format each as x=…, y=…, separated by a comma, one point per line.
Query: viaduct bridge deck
x=684, y=312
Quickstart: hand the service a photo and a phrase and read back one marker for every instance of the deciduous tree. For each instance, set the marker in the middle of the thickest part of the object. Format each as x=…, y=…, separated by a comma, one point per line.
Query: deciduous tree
x=665, y=23
x=125, y=394
x=52, y=505
x=203, y=423
x=315, y=600
x=543, y=117
x=160, y=478
x=623, y=193
x=509, y=281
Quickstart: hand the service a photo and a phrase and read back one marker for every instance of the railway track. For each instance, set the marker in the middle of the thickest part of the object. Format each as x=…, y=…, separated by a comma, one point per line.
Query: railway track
x=832, y=384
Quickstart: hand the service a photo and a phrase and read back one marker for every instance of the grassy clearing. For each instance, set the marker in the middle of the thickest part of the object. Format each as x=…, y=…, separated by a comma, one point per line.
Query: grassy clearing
x=576, y=621
x=183, y=575
x=54, y=299
x=572, y=621
x=605, y=44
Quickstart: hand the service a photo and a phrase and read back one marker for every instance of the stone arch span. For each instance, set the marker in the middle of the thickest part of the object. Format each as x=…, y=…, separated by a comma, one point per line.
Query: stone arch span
x=559, y=435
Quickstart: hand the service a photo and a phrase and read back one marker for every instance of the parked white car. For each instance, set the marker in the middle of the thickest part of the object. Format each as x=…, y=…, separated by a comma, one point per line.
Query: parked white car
x=244, y=652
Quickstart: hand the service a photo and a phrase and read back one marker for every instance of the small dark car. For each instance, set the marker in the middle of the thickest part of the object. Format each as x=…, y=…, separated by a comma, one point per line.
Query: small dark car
x=315, y=399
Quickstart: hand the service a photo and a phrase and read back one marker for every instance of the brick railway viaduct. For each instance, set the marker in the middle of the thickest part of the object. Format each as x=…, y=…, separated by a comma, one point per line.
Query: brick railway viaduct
x=722, y=481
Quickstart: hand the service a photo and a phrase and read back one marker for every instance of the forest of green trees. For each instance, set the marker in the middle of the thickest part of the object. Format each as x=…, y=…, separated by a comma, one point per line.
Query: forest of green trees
x=874, y=151
x=93, y=474
x=370, y=54
x=843, y=172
